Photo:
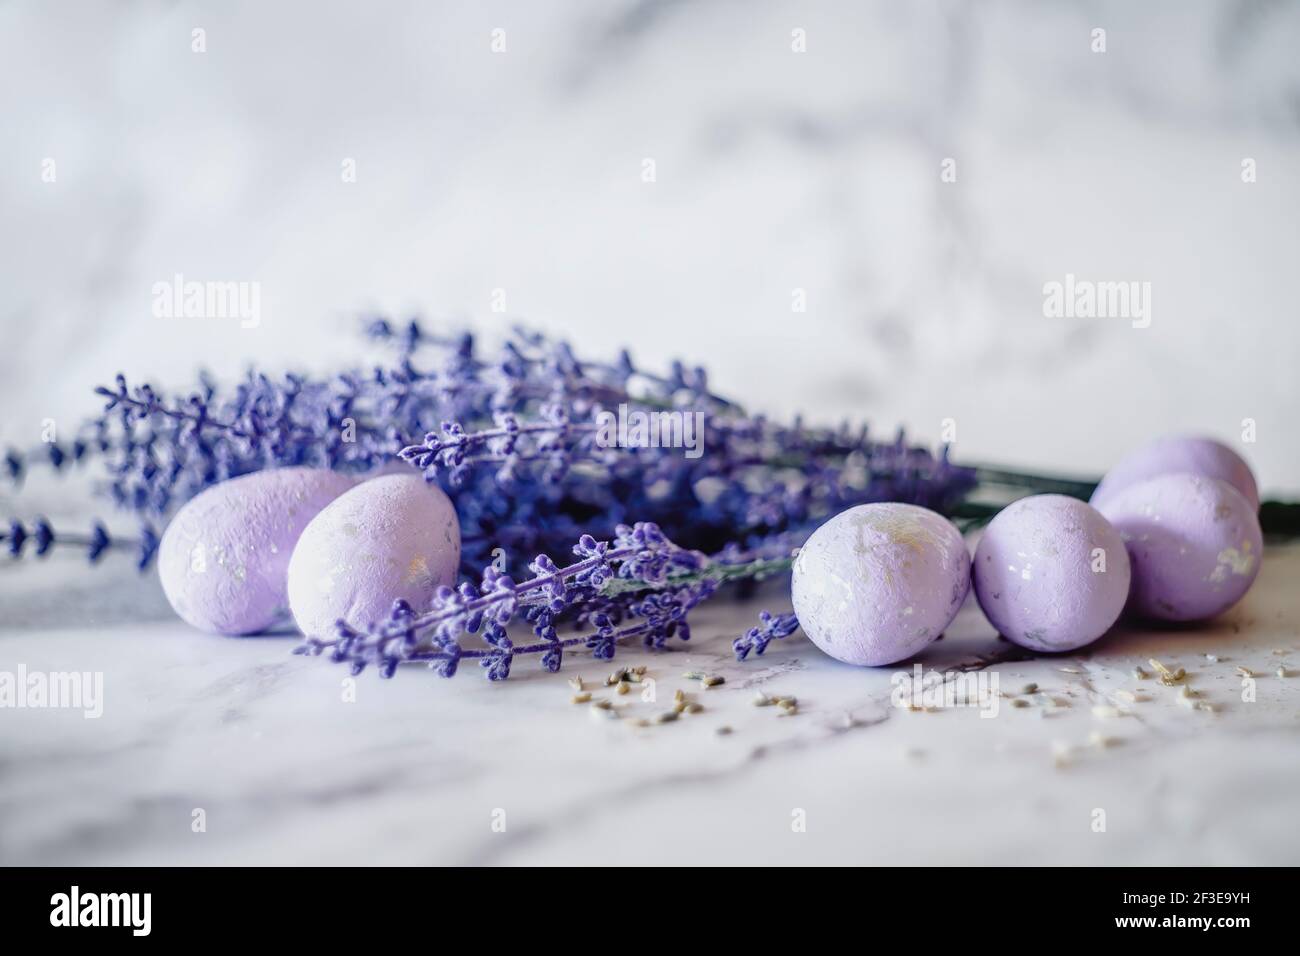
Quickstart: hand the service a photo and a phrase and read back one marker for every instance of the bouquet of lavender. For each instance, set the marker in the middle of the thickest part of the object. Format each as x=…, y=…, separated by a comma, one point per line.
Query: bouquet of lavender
x=538, y=449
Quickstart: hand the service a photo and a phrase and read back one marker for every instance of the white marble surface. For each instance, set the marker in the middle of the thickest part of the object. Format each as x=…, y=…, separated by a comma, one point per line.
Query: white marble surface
x=414, y=770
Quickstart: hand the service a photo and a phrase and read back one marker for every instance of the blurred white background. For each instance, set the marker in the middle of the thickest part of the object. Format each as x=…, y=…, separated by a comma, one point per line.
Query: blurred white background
x=775, y=171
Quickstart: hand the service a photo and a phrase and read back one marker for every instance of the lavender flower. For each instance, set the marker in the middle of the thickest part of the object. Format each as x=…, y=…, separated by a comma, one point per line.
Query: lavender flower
x=42, y=537
x=511, y=436
x=58, y=456
x=640, y=557
x=513, y=440
x=770, y=627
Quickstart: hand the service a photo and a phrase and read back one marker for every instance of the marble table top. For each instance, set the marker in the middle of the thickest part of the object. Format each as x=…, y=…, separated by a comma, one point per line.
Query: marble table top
x=231, y=751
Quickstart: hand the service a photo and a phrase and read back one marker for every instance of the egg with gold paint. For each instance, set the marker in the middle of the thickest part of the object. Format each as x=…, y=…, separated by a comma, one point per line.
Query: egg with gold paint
x=878, y=582
x=1051, y=573
x=391, y=537
x=1194, y=543
x=224, y=557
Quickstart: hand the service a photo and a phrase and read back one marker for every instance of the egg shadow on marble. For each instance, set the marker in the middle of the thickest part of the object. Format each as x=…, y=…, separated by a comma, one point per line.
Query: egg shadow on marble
x=1138, y=636
x=283, y=630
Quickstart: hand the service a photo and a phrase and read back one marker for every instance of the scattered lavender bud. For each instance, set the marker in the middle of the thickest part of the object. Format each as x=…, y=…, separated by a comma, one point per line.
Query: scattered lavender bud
x=771, y=627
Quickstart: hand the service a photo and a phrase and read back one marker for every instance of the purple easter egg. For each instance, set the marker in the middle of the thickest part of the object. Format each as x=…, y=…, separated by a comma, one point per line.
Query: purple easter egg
x=877, y=583
x=1174, y=454
x=388, y=538
x=1194, y=543
x=1051, y=573
x=224, y=558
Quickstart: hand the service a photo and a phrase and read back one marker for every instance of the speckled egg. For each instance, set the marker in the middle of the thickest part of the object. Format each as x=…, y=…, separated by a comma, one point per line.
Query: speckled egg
x=224, y=558
x=1179, y=453
x=1194, y=543
x=878, y=582
x=1050, y=573
x=388, y=538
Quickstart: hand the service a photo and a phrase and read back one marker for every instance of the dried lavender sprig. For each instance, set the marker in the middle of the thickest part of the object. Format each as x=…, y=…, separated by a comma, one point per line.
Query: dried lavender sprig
x=820, y=443
x=640, y=552
x=158, y=453
x=771, y=627
x=660, y=604
x=143, y=401
x=664, y=617
x=190, y=443
x=643, y=577
x=456, y=450
x=43, y=537
x=765, y=444
x=55, y=454
x=539, y=489
x=535, y=492
x=615, y=376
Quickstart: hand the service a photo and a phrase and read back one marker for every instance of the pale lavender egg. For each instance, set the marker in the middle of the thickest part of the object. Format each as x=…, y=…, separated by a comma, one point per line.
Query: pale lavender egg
x=1194, y=543
x=1174, y=454
x=388, y=538
x=224, y=558
x=1051, y=573
x=877, y=583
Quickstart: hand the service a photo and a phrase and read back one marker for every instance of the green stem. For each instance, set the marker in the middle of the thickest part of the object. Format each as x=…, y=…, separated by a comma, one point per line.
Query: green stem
x=1040, y=484
x=720, y=573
